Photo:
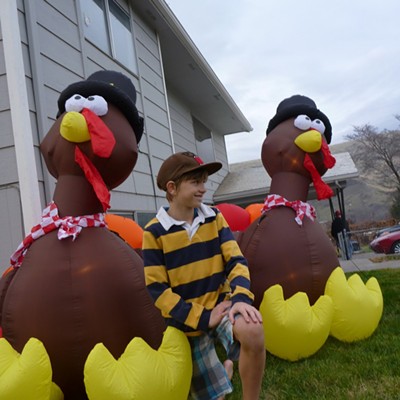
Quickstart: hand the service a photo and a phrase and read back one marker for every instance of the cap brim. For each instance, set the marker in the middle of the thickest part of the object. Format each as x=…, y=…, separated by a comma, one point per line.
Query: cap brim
x=211, y=168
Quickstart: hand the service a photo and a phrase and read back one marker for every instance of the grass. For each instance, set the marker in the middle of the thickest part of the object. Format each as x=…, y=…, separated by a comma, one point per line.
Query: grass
x=364, y=370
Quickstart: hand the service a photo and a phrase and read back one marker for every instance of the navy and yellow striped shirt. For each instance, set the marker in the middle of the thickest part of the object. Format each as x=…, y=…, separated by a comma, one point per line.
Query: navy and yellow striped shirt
x=187, y=277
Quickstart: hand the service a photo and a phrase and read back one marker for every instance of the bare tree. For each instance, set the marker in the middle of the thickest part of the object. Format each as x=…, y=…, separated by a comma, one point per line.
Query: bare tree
x=378, y=153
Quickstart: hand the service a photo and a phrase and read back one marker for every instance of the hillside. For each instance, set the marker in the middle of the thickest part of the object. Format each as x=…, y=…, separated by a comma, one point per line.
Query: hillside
x=365, y=198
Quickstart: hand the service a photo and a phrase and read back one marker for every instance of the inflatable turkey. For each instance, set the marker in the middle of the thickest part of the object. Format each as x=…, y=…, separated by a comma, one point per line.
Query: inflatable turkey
x=287, y=245
x=301, y=290
x=74, y=283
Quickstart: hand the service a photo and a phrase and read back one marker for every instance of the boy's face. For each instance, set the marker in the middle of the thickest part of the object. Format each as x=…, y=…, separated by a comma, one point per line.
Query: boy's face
x=190, y=192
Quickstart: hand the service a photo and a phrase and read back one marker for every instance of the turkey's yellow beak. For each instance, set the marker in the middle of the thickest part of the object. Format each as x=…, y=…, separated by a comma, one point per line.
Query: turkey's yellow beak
x=74, y=128
x=309, y=141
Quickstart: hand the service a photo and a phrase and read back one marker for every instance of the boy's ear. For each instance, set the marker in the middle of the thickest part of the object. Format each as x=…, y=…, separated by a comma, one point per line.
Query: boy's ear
x=171, y=187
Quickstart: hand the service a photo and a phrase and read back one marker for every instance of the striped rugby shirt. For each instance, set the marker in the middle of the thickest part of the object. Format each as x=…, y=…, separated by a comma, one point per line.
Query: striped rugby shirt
x=188, y=276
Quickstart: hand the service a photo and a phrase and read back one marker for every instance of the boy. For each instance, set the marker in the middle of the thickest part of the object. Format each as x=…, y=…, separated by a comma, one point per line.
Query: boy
x=199, y=280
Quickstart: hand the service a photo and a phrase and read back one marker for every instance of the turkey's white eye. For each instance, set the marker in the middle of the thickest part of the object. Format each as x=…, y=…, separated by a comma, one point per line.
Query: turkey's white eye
x=75, y=103
x=318, y=125
x=96, y=104
x=302, y=122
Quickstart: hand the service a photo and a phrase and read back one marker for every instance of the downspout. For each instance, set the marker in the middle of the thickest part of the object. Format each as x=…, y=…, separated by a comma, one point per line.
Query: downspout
x=19, y=109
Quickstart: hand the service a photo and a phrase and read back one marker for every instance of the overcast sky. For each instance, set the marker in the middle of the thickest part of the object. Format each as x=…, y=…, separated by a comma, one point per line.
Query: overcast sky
x=344, y=54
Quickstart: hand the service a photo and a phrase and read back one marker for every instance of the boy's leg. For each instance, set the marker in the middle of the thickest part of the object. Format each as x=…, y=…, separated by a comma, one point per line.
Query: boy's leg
x=252, y=356
x=210, y=378
x=228, y=365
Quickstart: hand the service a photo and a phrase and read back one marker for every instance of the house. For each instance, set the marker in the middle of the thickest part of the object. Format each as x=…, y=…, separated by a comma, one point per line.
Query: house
x=248, y=182
x=45, y=45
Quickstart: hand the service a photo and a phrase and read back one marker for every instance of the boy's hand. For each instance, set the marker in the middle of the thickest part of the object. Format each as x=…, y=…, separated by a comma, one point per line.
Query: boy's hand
x=219, y=312
x=248, y=312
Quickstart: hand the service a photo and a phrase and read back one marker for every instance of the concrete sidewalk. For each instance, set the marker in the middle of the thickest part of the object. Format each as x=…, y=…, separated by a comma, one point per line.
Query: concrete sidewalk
x=362, y=262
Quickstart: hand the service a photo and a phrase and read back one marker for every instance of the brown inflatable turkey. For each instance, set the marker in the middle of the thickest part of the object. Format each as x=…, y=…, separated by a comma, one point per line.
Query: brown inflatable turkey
x=75, y=283
x=287, y=245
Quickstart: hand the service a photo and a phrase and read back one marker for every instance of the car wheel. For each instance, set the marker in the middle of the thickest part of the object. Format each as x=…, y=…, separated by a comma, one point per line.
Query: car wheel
x=396, y=247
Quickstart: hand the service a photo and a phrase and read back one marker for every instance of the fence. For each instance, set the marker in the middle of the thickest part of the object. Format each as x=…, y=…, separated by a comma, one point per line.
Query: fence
x=364, y=236
x=345, y=245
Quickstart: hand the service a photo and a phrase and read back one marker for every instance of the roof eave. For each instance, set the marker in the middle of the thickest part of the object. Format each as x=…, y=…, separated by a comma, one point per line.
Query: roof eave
x=192, y=77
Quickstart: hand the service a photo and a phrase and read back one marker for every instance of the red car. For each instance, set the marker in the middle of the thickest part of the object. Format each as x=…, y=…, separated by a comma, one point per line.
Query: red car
x=388, y=243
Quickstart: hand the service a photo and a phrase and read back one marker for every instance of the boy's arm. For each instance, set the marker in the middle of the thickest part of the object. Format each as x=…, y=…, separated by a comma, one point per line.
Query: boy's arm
x=236, y=267
x=172, y=305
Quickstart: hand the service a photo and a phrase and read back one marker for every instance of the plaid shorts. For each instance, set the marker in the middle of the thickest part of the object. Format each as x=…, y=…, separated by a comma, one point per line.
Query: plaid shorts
x=210, y=380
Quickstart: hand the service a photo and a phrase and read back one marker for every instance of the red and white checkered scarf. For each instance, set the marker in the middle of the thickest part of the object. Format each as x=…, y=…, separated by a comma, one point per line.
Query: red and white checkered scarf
x=301, y=208
x=67, y=226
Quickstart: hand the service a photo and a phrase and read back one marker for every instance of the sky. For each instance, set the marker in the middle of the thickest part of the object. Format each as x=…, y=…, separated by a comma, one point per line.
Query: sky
x=344, y=54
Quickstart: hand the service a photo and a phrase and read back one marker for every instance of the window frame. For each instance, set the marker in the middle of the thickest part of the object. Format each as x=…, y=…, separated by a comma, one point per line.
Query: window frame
x=110, y=34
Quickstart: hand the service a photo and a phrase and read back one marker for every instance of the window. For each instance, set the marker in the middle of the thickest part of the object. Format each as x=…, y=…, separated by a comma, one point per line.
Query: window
x=107, y=24
x=204, y=144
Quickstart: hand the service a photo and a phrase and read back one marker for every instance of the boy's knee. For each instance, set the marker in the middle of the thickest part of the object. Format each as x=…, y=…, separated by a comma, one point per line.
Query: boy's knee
x=251, y=336
x=255, y=337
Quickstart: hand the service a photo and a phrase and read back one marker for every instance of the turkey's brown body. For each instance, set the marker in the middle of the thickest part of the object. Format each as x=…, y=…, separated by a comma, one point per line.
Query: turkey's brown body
x=279, y=251
x=72, y=295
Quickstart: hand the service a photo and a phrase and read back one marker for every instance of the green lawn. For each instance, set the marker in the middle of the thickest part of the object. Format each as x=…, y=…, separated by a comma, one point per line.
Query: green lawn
x=364, y=370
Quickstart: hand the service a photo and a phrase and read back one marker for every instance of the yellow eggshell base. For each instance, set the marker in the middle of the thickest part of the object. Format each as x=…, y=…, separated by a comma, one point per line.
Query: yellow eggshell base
x=141, y=372
x=27, y=375
x=294, y=329
x=357, y=306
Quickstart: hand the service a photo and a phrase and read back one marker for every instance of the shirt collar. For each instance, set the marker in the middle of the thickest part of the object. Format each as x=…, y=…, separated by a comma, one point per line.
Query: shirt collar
x=167, y=221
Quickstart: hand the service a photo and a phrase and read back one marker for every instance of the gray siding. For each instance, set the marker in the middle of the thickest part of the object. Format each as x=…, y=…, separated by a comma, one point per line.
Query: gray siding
x=10, y=223
x=184, y=140
x=62, y=55
x=56, y=54
x=157, y=127
x=221, y=156
x=56, y=60
x=182, y=124
x=10, y=216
